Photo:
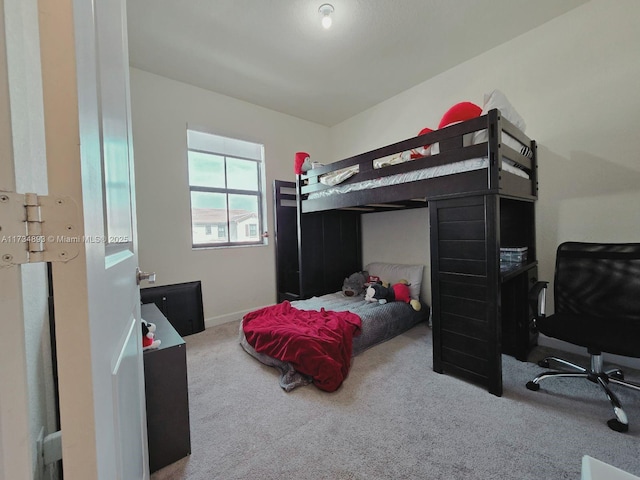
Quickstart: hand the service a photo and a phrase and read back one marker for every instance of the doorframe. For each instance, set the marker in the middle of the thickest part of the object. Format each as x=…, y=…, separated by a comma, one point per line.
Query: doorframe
x=48, y=44
x=21, y=152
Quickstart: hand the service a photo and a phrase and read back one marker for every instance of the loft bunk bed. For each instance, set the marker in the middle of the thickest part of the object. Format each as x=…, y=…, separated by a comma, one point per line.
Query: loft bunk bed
x=496, y=165
x=480, y=188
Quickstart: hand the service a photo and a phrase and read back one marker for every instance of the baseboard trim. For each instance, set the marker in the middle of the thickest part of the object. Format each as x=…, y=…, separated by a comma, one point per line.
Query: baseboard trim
x=227, y=318
x=545, y=341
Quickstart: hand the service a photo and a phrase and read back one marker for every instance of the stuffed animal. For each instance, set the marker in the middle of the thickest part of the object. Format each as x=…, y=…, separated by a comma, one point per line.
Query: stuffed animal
x=353, y=285
x=457, y=113
x=148, y=336
x=302, y=163
x=398, y=292
x=376, y=292
x=418, y=152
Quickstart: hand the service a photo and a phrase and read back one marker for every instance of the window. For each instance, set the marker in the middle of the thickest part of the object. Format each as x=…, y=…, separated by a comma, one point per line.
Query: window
x=226, y=183
x=251, y=230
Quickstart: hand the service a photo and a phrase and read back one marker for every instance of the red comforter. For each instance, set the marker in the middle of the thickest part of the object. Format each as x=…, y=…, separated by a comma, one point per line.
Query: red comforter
x=316, y=343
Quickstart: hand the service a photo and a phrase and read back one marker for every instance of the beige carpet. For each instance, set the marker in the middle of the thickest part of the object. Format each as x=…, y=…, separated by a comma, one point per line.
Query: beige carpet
x=393, y=418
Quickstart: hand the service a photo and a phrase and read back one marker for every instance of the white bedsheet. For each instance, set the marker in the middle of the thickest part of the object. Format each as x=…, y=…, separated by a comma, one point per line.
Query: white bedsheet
x=422, y=174
x=334, y=179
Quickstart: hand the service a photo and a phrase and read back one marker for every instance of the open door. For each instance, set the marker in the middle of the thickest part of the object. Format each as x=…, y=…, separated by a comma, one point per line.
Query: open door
x=85, y=72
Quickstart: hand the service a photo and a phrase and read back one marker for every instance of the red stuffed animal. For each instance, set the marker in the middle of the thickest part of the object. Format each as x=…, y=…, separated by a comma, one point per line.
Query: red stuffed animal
x=302, y=163
x=458, y=113
x=148, y=336
x=398, y=292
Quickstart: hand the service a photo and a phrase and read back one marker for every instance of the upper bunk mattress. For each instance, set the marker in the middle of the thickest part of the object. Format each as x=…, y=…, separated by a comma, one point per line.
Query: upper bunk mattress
x=493, y=100
x=415, y=175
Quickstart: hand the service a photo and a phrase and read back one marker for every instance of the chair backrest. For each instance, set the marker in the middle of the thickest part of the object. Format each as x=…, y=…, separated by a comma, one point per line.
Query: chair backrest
x=598, y=280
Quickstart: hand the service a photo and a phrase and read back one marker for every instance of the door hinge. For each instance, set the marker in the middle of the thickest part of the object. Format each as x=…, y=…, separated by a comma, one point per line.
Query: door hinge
x=37, y=228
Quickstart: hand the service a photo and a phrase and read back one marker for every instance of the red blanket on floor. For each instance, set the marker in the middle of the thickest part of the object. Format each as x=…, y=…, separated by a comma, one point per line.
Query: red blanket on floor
x=316, y=343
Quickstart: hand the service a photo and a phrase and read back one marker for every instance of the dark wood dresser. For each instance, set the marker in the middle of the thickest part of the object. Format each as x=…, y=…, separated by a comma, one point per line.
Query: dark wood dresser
x=165, y=375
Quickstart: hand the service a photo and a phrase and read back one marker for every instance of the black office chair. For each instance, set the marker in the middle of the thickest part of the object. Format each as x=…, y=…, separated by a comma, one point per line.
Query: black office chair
x=597, y=306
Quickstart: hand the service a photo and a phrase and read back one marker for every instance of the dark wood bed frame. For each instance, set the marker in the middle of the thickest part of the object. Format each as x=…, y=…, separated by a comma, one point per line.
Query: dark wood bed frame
x=479, y=312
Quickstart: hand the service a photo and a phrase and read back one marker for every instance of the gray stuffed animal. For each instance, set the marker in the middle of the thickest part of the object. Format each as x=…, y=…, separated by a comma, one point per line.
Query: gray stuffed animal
x=353, y=285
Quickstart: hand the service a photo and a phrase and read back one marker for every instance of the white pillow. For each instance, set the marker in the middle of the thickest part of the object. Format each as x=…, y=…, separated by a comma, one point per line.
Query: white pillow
x=497, y=99
x=393, y=272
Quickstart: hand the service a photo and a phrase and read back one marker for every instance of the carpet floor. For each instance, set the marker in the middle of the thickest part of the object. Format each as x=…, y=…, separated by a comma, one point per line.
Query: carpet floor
x=393, y=418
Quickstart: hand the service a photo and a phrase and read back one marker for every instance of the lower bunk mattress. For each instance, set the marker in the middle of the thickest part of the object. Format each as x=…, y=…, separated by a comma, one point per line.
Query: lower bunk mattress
x=378, y=324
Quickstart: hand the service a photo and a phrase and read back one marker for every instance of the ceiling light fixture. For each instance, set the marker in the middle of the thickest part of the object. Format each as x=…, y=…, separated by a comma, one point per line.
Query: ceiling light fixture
x=326, y=10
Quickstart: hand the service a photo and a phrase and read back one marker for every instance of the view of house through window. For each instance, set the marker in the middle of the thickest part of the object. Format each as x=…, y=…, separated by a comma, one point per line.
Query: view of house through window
x=226, y=184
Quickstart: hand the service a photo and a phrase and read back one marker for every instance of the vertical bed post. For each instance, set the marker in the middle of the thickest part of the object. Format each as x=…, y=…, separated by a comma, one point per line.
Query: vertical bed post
x=495, y=155
x=492, y=232
x=299, y=231
x=534, y=169
x=436, y=324
x=494, y=294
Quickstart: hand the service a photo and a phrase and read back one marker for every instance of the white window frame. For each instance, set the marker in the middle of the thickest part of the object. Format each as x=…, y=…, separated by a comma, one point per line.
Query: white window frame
x=229, y=148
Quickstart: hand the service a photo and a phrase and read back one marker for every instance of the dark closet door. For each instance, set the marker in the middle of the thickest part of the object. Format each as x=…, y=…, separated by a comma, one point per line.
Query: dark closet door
x=286, y=241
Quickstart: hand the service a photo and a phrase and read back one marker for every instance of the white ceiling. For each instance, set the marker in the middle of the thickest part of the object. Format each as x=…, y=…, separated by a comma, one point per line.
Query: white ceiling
x=275, y=53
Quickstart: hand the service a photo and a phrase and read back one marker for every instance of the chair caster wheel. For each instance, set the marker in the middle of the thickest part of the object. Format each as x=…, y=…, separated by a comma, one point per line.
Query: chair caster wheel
x=544, y=363
x=615, y=424
x=533, y=386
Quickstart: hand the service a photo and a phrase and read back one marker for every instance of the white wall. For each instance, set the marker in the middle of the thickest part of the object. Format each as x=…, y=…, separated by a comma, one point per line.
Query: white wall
x=234, y=280
x=575, y=81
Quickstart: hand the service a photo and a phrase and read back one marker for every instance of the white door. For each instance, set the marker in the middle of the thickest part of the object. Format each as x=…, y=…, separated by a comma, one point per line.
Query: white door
x=97, y=302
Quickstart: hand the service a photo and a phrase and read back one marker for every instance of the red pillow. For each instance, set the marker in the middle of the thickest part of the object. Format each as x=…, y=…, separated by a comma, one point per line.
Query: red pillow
x=459, y=113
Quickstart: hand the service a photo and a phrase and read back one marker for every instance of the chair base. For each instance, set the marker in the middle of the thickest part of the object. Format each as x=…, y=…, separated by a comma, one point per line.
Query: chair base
x=596, y=375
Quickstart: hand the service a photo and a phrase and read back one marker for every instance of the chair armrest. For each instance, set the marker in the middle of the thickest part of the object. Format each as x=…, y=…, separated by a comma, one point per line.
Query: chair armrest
x=537, y=298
